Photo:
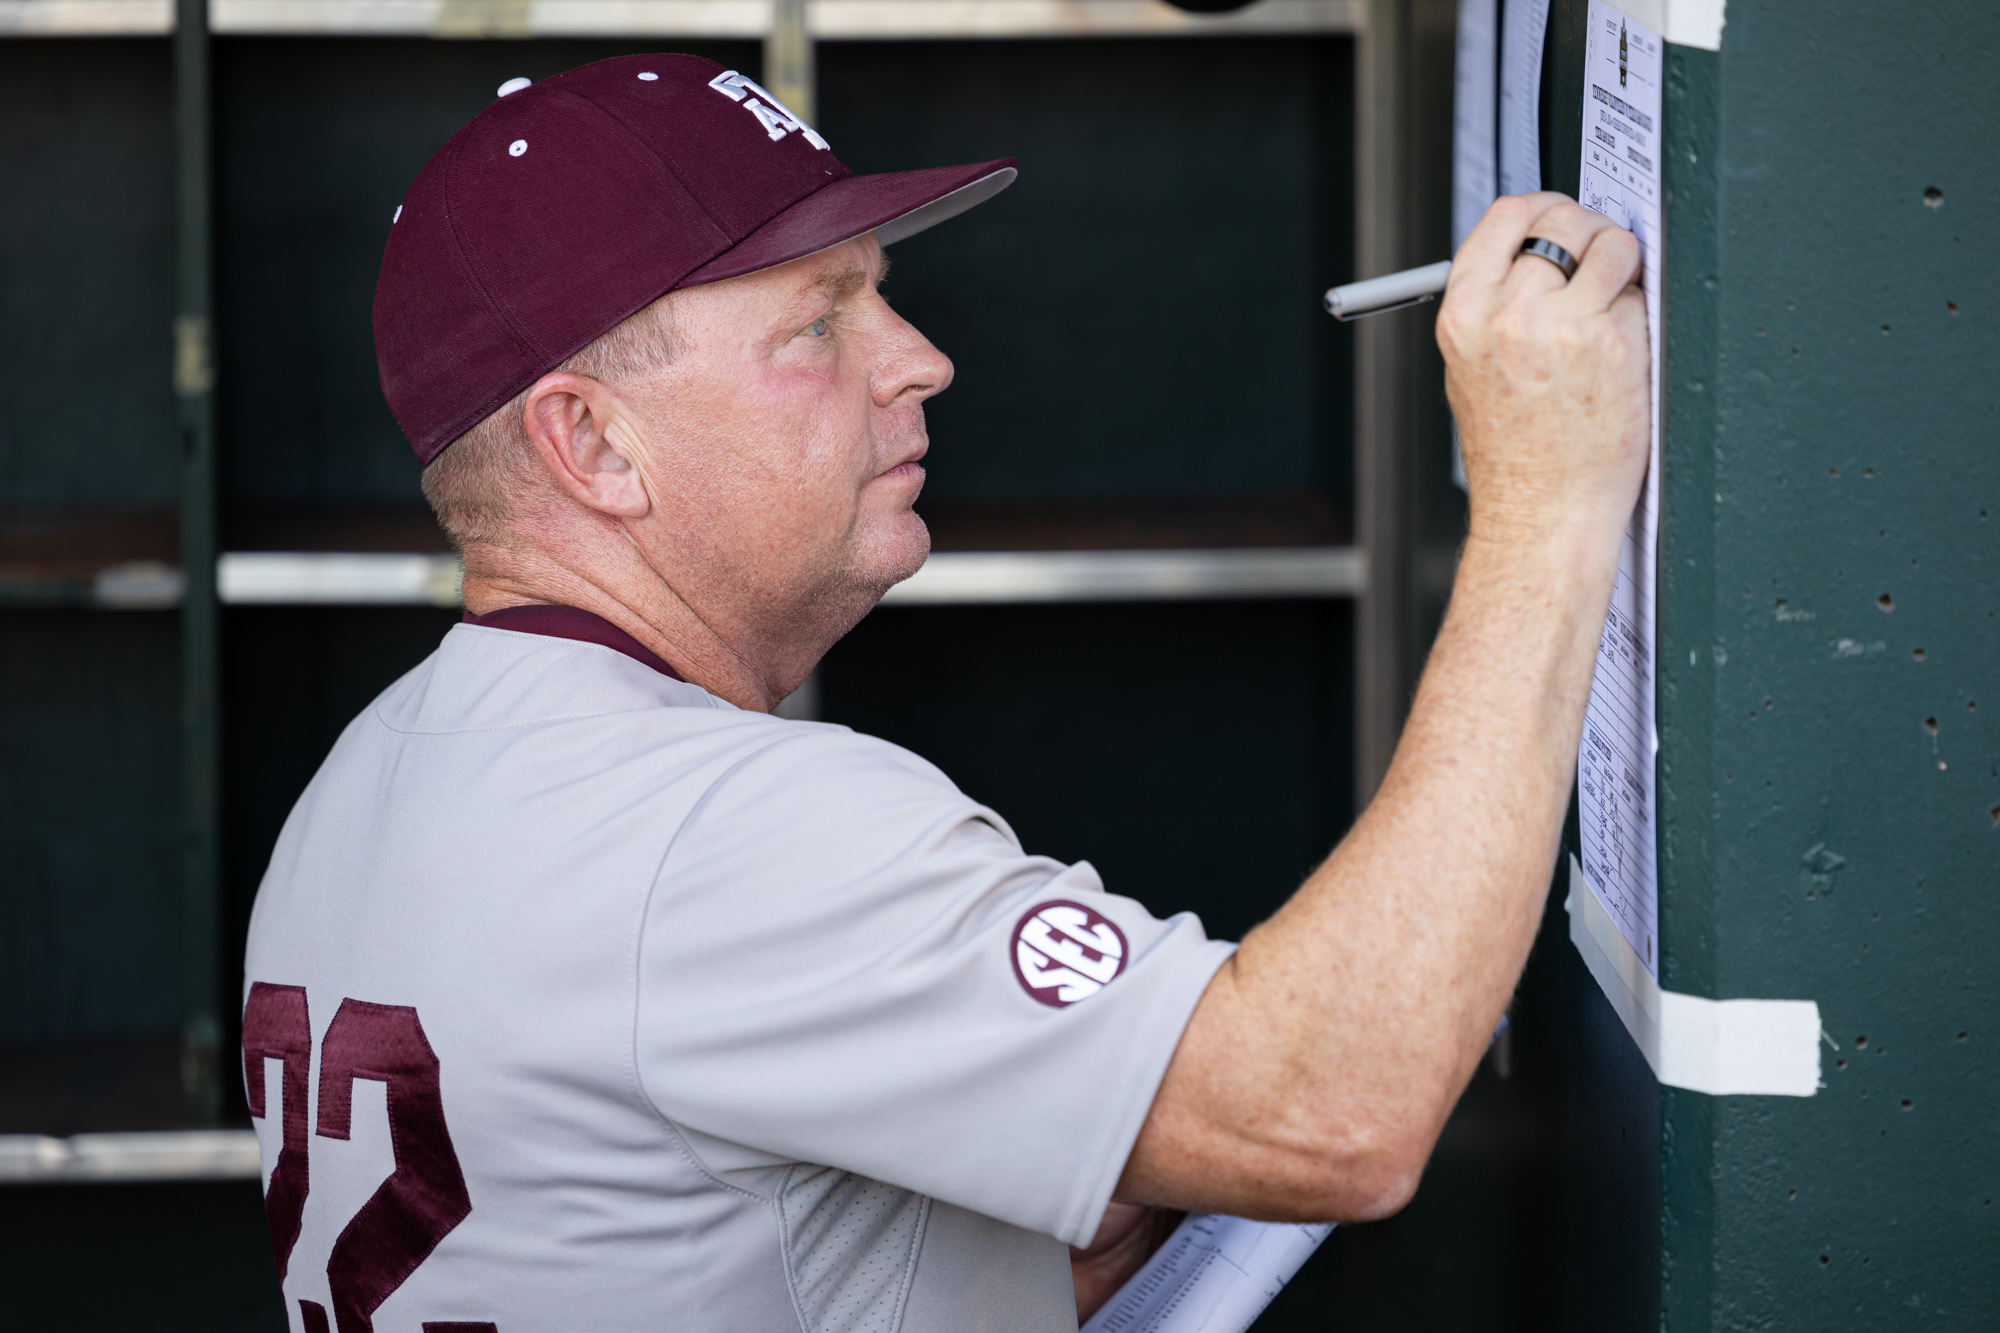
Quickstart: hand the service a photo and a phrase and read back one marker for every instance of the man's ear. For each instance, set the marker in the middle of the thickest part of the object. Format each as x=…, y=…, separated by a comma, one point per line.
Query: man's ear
x=569, y=421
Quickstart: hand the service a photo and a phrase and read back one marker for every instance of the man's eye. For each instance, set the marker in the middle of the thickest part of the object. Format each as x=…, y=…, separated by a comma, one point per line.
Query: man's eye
x=818, y=327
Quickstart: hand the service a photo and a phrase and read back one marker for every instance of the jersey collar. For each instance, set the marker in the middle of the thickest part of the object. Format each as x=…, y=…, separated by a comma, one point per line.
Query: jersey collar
x=569, y=622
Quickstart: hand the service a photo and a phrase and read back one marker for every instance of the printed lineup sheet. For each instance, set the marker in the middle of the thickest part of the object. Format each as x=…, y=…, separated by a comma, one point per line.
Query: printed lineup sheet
x=1614, y=768
x=1215, y=1274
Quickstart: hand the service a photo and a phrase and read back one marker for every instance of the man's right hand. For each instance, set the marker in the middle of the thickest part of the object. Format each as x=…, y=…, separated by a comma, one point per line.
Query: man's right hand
x=1547, y=378
x=1319, y=1067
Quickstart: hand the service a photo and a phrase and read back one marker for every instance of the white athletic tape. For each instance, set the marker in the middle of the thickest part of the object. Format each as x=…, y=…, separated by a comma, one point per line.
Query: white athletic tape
x=1682, y=22
x=1767, y=1047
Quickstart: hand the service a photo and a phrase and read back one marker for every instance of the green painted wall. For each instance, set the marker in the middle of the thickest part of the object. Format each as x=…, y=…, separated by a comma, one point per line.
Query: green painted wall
x=1831, y=761
x=1830, y=655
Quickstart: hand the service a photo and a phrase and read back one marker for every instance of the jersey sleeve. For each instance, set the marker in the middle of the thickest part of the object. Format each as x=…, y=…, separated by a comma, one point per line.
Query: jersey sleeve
x=848, y=962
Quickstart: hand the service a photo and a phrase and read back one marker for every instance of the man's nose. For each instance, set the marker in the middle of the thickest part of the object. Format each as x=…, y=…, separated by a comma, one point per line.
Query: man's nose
x=912, y=367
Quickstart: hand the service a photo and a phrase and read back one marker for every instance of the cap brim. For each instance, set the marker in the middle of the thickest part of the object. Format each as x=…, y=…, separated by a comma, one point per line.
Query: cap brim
x=892, y=205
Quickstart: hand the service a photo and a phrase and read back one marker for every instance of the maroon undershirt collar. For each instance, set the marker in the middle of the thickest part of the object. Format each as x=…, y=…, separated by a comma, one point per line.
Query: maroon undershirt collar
x=569, y=622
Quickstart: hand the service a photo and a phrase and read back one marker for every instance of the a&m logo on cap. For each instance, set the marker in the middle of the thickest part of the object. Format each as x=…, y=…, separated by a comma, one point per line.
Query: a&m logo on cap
x=1065, y=952
x=776, y=118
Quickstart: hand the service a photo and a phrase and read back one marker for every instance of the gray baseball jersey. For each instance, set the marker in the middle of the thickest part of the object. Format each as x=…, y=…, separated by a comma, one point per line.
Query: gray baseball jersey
x=577, y=998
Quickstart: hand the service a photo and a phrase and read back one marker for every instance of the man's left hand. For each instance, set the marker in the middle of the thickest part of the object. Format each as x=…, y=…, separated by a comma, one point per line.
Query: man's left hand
x=1125, y=1240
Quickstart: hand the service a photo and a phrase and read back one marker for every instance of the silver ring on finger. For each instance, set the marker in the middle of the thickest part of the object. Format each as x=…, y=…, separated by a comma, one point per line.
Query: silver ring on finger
x=1555, y=254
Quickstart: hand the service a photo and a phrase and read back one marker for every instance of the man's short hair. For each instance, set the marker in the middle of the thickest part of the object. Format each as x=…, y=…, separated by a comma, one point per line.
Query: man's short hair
x=476, y=484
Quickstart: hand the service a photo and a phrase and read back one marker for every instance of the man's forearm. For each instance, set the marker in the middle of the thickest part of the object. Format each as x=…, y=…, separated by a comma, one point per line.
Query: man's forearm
x=1322, y=1061
x=1339, y=1038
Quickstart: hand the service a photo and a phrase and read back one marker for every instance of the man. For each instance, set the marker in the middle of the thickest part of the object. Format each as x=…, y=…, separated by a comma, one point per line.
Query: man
x=583, y=993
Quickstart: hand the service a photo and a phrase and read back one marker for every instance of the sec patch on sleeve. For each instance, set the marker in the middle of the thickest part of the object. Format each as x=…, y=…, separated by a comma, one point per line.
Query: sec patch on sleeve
x=1065, y=952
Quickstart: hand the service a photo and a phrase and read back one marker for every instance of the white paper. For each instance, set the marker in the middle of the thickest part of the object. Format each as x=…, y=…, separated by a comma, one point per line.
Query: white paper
x=1475, y=99
x=1215, y=1274
x=1614, y=769
x=1522, y=26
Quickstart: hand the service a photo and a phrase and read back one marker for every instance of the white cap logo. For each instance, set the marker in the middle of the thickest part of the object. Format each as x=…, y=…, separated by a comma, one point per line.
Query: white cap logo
x=776, y=118
x=1065, y=952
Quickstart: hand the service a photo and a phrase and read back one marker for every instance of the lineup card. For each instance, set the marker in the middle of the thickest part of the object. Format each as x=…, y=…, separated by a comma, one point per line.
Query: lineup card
x=1215, y=1274
x=1614, y=767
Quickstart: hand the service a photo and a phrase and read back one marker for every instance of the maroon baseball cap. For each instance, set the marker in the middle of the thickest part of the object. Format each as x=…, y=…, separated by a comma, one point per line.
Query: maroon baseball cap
x=572, y=203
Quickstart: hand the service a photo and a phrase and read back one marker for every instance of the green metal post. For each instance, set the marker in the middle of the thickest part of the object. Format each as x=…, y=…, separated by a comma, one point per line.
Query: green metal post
x=194, y=386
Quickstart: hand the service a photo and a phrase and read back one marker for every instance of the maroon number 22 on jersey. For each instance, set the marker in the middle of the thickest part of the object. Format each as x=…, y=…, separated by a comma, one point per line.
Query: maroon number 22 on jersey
x=420, y=1202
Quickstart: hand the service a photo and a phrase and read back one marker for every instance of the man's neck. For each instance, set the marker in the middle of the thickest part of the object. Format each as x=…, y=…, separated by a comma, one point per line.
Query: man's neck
x=656, y=616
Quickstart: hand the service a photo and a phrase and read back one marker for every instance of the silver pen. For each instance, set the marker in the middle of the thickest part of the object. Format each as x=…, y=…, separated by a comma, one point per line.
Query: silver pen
x=1392, y=291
